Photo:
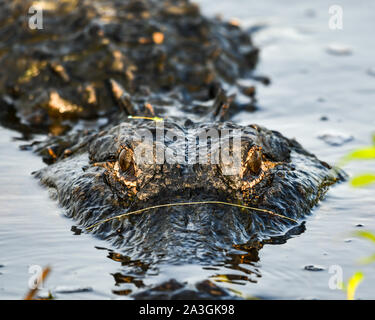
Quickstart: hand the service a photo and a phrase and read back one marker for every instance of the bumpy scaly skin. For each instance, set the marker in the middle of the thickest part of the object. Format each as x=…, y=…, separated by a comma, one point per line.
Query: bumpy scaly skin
x=101, y=179
x=150, y=57
x=91, y=54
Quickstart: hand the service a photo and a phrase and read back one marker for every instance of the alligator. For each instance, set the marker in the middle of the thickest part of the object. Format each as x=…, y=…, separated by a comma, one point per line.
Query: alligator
x=91, y=55
x=97, y=177
x=108, y=78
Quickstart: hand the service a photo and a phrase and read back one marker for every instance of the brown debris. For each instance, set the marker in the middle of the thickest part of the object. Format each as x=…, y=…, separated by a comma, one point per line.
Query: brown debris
x=158, y=37
x=58, y=105
x=60, y=71
x=90, y=94
x=149, y=109
x=31, y=294
x=118, y=64
x=52, y=153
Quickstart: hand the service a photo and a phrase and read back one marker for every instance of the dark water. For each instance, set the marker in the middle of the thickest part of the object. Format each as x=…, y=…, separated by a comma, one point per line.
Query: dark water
x=308, y=83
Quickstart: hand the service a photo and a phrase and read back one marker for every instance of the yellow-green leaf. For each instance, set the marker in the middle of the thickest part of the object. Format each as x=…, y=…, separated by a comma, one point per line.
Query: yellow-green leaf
x=368, y=260
x=353, y=283
x=366, y=235
x=221, y=278
x=362, y=154
x=363, y=180
x=373, y=139
x=367, y=153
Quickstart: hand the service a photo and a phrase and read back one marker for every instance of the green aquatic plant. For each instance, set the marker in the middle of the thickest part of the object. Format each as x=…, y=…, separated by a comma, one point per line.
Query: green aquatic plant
x=368, y=236
x=366, y=153
x=351, y=286
x=362, y=180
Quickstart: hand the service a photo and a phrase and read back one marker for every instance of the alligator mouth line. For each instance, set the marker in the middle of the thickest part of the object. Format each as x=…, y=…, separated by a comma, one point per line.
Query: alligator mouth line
x=124, y=215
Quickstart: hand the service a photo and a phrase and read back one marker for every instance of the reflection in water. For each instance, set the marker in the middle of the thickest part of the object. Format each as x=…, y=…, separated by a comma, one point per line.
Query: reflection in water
x=125, y=279
x=130, y=280
x=134, y=270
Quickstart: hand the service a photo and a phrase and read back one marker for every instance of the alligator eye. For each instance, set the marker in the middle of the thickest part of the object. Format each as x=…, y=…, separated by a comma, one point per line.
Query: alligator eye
x=253, y=161
x=125, y=159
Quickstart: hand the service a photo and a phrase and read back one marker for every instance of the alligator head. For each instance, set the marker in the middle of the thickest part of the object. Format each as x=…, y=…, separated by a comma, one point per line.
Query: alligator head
x=102, y=175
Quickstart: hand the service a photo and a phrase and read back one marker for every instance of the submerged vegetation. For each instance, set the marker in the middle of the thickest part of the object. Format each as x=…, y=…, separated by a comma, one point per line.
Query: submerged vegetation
x=362, y=180
x=352, y=285
x=358, y=276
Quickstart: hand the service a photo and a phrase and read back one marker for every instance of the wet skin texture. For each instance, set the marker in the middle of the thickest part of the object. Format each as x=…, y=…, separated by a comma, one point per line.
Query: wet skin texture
x=110, y=59
x=91, y=55
x=100, y=179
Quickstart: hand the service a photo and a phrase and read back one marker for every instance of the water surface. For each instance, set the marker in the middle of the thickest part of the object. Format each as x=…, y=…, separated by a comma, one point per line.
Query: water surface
x=313, y=92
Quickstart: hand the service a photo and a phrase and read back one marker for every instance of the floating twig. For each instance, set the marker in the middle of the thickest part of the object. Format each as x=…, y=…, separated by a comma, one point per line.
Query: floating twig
x=30, y=295
x=121, y=216
x=146, y=118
